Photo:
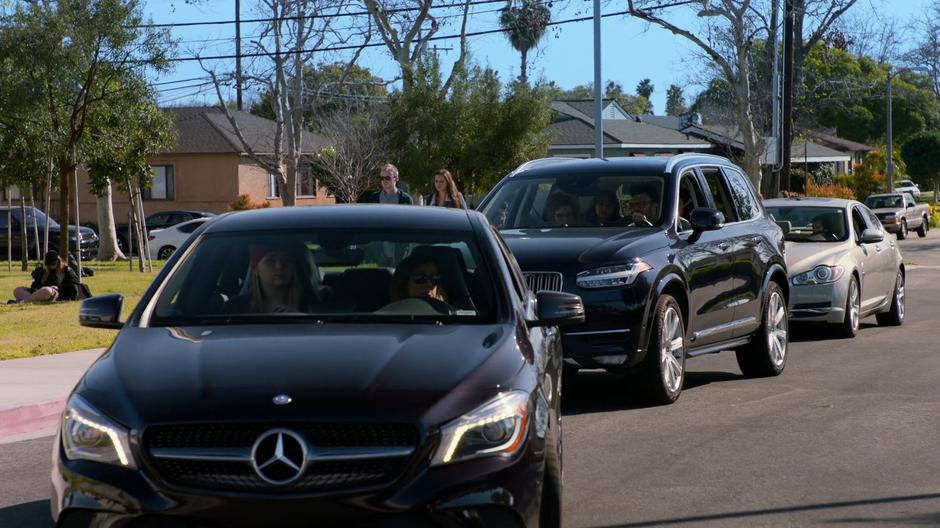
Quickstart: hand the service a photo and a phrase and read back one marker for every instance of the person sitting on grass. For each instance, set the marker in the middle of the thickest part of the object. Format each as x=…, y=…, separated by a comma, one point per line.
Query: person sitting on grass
x=53, y=281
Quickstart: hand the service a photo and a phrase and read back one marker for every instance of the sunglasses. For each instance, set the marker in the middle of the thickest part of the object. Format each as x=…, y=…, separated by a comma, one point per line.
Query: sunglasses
x=423, y=278
x=387, y=178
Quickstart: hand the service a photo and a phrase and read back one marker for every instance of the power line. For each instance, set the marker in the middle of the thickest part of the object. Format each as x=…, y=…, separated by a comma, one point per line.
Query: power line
x=381, y=44
x=336, y=15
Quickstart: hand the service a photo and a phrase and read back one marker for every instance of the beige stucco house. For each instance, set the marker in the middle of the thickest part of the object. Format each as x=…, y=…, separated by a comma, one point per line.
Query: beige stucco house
x=208, y=168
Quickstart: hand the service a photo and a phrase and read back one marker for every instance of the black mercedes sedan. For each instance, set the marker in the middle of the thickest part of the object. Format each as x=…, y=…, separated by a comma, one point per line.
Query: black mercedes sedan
x=363, y=365
x=673, y=258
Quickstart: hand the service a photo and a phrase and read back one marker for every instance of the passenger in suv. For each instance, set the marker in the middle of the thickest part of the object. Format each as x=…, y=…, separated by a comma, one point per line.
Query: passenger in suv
x=663, y=289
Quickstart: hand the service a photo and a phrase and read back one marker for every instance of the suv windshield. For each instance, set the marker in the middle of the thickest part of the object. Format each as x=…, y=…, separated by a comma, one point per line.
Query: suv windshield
x=328, y=275
x=583, y=200
x=883, y=202
x=33, y=216
x=811, y=224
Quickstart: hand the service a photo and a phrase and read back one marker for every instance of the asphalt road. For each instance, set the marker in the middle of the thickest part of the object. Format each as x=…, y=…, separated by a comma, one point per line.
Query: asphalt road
x=846, y=436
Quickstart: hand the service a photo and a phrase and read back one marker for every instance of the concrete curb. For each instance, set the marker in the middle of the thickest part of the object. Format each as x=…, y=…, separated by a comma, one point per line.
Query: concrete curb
x=30, y=417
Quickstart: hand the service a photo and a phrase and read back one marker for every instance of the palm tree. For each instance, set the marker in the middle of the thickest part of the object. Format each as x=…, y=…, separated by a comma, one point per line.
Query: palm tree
x=524, y=25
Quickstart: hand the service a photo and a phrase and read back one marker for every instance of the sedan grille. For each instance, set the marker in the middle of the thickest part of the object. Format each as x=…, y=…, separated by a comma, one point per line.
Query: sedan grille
x=543, y=280
x=218, y=456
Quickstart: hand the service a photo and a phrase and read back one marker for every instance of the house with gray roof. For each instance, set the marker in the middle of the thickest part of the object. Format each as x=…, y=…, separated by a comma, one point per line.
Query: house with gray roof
x=209, y=167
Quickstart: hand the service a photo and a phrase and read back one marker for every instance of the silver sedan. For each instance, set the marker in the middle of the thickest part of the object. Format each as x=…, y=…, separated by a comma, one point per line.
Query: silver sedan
x=842, y=265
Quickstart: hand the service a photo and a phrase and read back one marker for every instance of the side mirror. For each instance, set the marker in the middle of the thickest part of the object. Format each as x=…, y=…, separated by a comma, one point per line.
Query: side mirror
x=558, y=309
x=102, y=311
x=872, y=236
x=706, y=219
x=910, y=204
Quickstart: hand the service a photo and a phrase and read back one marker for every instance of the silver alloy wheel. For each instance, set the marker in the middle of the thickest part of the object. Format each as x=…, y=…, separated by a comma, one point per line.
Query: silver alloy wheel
x=854, y=305
x=776, y=329
x=899, y=294
x=672, y=349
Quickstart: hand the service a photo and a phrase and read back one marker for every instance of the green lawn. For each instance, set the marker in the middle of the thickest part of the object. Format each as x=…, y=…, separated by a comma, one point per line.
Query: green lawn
x=28, y=330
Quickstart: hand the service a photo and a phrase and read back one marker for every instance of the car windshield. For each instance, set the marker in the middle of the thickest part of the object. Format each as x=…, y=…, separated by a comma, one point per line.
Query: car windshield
x=883, y=202
x=328, y=275
x=582, y=200
x=811, y=224
x=34, y=217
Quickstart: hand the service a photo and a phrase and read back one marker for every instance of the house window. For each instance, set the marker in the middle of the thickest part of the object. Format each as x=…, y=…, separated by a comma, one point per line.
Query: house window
x=306, y=183
x=274, y=190
x=162, y=186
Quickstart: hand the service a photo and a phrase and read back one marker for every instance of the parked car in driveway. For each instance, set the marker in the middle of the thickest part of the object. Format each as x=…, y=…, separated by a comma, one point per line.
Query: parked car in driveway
x=899, y=213
x=160, y=220
x=163, y=242
x=842, y=265
x=907, y=186
x=350, y=365
x=12, y=219
x=673, y=257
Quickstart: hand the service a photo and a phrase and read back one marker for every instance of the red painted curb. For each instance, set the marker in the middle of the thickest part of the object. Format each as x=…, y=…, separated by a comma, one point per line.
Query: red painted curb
x=30, y=417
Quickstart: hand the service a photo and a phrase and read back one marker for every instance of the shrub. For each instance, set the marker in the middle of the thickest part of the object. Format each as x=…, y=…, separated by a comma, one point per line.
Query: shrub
x=244, y=203
x=833, y=190
x=934, y=215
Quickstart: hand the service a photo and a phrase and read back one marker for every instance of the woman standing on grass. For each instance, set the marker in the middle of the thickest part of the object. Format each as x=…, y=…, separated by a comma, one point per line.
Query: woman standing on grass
x=53, y=281
x=445, y=191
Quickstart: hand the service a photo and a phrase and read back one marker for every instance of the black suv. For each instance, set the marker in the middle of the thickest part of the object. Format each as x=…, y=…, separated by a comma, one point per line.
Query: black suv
x=161, y=220
x=12, y=219
x=674, y=258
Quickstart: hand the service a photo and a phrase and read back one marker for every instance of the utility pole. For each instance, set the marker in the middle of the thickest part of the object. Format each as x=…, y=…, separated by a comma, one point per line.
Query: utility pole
x=786, y=140
x=890, y=160
x=238, y=56
x=598, y=102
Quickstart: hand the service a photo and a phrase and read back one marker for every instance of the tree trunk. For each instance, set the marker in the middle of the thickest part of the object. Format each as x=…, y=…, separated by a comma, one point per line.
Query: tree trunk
x=523, y=67
x=32, y=203
x=65, y=175
x=24, y=236
x=107, y=234
x=745, y=119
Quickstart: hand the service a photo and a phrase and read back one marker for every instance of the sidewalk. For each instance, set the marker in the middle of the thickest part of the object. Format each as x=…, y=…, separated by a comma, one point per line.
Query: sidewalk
x=33, y=391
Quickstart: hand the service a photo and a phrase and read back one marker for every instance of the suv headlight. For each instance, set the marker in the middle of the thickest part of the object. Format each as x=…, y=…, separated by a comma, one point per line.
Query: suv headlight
x=819, y=275
x=609, y=276
x=89, y=435
x=497, y=427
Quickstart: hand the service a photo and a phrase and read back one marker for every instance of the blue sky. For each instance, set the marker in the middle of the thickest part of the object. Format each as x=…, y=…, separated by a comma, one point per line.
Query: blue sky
x=631, y=50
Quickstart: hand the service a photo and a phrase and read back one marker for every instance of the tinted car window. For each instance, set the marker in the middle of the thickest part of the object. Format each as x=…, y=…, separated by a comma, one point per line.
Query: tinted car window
x=873, y=221
x=884, y=202
x=189, y=228
x=812, y=224
x=719, y=192
x=328, y=273
x=742, y=195
x=158, y=219
x=583, y=200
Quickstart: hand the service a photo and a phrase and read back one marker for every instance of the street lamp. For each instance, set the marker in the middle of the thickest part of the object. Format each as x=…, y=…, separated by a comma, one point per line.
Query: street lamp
x=890, y=161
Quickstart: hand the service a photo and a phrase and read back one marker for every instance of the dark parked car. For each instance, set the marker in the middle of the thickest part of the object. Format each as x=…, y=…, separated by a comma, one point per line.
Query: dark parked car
x=673, y=257
x=161, y=220
x=345, y=365
x=12, y=218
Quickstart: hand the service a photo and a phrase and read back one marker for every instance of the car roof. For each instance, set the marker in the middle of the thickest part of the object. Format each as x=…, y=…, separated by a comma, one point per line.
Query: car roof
x=357, y=216
x=643, y=165
x=812, y=201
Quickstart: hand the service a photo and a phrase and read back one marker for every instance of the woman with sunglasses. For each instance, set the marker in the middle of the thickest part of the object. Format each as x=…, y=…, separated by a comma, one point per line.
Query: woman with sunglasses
x=445, y=191
x=417, y=277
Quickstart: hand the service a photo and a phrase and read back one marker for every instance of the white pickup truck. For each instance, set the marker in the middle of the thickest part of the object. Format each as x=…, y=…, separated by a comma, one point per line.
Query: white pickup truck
x=899, y=213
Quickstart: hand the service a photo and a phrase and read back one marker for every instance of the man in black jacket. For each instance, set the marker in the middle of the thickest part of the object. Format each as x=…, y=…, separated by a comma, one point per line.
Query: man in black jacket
x=390, y=193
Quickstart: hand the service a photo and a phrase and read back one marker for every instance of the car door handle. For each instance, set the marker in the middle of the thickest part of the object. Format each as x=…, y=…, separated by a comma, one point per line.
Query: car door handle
x=878, y=249
x=724, y=246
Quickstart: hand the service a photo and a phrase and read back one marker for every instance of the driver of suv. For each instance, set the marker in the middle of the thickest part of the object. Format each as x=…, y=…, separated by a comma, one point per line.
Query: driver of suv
x=643, y=203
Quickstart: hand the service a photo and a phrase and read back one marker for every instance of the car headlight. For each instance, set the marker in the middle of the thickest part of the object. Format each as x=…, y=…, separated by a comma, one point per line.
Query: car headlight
x=497, y=427
x=609, y=276
x=819, y=275
x=89, y=435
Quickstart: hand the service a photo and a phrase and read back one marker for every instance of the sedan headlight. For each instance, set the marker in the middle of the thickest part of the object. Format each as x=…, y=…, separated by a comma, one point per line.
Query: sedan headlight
x=497, y=427
x=609, y=276
x=89, y=435
x=819, y=275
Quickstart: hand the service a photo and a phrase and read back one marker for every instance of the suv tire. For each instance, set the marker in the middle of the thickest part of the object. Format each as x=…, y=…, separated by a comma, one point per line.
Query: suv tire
x=664, y=366
x=922, y=230
x=902, y=234
x=766, y=354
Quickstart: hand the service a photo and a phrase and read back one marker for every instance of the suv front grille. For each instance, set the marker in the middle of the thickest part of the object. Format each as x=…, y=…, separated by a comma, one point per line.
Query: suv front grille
x=218, y=456
x=543, y=280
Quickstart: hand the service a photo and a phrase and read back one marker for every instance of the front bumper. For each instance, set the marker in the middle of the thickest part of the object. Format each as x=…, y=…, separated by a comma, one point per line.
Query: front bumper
x=475, y=493
x=891, y=227
x=819, y=303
